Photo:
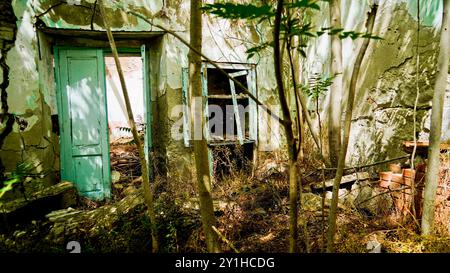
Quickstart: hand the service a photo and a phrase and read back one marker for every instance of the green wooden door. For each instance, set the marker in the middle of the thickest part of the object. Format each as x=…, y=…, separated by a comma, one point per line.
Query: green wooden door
x=83, y=121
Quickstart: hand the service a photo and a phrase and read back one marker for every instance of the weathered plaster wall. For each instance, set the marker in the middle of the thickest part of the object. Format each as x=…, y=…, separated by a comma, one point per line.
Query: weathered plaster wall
x=387, y=93
x=8, y=31
x=28, y=92
x=384, y=99
x=386, y=89
x=31, y=93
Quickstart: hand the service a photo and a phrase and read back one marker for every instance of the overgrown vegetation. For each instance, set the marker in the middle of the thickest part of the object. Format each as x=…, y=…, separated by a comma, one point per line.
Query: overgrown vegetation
x=251, y=212
x=282, y=203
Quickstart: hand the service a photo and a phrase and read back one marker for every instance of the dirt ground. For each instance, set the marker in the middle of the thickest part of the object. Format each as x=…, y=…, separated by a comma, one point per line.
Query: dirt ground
x=251, y=210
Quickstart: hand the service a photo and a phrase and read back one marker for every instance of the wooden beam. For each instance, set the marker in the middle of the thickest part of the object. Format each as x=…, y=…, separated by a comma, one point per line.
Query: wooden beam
x=345, y=179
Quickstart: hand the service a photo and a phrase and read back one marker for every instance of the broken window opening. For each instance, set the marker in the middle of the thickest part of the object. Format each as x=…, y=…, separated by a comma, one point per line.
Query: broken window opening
x=223, y=92
x=231, y=117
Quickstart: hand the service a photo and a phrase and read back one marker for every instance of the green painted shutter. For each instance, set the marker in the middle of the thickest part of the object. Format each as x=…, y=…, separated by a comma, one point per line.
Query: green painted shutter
x=148, y=117
x=253, y=116
x=186, y=114
x=206, y=129
x=205, y=100
x=239, y=128
x=83, y=121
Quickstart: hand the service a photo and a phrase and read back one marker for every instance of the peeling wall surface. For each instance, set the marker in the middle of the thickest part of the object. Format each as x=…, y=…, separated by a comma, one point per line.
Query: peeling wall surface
x=390, y=74
x=32, y=89
x=385, y=93
x=8, y=31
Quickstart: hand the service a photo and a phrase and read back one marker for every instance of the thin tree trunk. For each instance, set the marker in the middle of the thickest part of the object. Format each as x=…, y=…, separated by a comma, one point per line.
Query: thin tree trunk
x=148, y=192
x=307, y=116
x=431, y=178
x=347, y=124
x=293, y=206
x=293, y=63
x=292, y=148
x=334, y=114
x=296, y=64
x=416, y=102
x=198, y=119
x=319, y=122
x=295, y=71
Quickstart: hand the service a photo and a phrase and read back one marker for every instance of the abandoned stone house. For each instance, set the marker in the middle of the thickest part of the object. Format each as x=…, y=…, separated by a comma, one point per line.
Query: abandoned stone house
x=61, y=103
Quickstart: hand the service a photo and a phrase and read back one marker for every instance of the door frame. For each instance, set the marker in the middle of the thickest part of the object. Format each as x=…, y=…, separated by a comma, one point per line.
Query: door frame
x=144, y=53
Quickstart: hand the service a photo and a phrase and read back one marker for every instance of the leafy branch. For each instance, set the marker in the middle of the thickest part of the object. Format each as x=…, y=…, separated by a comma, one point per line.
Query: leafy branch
x=290, y=26
x=240, y=11
x=22, y=170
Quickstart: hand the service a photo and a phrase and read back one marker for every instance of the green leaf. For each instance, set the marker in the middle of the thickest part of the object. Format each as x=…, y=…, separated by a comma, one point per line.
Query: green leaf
x=304, y=30
x=125, y=129
x=310, y=34
x=312, y=4
x=8, y=185
x=239, y=11
x=333, y=31
x=318, y=85
x=320, y=33
x=353, y=34
x=370, y=36
x=22, y=169
x=254, y=50
x=302, y=52
x=344, y=35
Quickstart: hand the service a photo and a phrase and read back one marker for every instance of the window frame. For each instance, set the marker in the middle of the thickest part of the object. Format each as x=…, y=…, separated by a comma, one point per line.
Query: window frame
x=253, y=111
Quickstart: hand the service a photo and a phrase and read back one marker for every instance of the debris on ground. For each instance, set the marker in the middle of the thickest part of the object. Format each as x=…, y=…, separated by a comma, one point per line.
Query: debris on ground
x=251, y=213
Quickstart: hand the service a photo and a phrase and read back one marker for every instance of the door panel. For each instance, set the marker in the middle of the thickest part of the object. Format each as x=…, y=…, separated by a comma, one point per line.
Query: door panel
x=88, y=173
x=84, y=134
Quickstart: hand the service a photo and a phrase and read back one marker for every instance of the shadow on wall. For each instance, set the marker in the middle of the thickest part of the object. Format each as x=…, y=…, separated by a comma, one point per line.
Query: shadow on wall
x=24, y=138
x=62, y=14
x=390, y=77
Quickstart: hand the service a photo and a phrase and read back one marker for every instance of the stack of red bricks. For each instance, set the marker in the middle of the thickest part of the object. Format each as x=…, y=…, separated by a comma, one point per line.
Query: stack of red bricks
x=401, y=183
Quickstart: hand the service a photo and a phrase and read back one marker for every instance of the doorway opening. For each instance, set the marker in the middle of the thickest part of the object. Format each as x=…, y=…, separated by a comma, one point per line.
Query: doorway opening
x=117, y=112
x=124, y=158
x=97, y=149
